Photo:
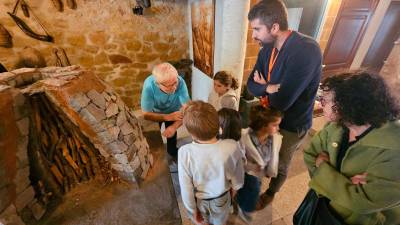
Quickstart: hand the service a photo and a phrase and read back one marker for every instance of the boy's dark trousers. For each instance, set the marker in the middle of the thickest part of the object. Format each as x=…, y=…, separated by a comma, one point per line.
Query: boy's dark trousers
x=172, y=141
x=247, y=196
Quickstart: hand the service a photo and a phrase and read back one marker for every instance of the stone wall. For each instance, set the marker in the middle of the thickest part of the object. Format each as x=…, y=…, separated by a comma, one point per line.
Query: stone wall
x=105, y=37
x=252, y=48
x=17, y=196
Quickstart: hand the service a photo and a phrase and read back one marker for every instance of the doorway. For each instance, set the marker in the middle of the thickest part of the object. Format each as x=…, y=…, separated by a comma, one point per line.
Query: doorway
x=387, y=34
x=347, y=33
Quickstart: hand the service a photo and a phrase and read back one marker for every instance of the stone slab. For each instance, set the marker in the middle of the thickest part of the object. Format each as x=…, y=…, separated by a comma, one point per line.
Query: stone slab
x=24, y=198
x=97, y=99
x=9, y=216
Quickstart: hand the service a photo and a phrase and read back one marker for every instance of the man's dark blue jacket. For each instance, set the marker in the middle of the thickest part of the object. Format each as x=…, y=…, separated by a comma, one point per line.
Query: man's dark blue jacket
x=298, y=70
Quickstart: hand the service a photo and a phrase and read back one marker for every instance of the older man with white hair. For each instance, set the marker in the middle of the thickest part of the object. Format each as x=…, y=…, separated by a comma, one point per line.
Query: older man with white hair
x=163, y=95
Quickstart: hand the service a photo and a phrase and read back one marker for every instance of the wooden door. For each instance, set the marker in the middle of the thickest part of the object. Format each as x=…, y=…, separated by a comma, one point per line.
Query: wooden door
x=387, y=34
x=346, y=35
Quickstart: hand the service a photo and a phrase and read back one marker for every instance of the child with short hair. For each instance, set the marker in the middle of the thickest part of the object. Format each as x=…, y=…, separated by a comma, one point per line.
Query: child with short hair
x=207, y=168
x=223, y=94
x=261, y=143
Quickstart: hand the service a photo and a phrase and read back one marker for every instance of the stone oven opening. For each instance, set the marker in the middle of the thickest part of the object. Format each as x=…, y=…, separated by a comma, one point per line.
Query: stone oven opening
x=60, y=156
x=61, y=127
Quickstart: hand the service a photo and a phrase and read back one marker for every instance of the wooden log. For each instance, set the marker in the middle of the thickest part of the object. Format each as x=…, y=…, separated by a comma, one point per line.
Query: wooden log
x=45, y=135
x=46, y=111
x=96, y=169
x=83, y=156
x=49, y=126
x=92, y=166
x=84, y=176
x=93, y=160
x=42, y=170
x=76, y=140
x=72, y=178
x=87, y=163
x=45, y=140
x=54, y=136
x=36, y=114
x=53, y=115
x=66, y=167
x=37, y=123
x=55, y=147
x=69, y=172
x=60, y=166
x=89, y=171
x=76, y=179
x=72, y=148
x=70, y=161
x=57, y=174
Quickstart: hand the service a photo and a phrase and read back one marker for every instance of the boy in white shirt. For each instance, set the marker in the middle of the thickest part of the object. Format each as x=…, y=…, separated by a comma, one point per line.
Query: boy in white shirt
x=208, y=168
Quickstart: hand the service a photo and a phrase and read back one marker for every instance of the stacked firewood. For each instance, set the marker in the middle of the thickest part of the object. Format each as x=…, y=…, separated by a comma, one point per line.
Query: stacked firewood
x=64, y=155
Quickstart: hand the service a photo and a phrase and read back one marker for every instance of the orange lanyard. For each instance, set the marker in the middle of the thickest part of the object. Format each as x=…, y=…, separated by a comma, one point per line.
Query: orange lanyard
x=273, y=57
x=272, y=60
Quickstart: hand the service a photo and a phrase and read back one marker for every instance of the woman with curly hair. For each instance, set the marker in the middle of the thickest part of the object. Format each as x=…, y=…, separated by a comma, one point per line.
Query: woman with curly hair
x=354, y=161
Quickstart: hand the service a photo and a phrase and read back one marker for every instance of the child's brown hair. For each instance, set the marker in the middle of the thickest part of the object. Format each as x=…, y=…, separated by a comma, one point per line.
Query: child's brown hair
x=226, y=79
x=261, y=116
x=201, y=120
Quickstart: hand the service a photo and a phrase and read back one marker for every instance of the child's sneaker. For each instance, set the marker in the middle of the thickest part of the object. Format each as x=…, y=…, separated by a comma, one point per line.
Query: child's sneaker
x=245, y=216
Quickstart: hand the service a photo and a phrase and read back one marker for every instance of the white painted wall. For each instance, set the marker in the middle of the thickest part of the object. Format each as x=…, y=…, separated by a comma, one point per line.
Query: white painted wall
x=229, y=47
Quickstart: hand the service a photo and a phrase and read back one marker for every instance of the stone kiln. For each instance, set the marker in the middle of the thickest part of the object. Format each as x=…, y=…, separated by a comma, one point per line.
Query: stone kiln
x=59, y=127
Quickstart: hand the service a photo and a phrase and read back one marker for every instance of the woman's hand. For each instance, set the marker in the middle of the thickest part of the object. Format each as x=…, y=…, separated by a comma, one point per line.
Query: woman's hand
x=359, y=178
x=322, y=157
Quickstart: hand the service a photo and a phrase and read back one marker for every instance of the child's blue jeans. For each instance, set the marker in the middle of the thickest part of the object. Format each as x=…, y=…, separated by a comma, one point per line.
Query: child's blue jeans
x=248, y=195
